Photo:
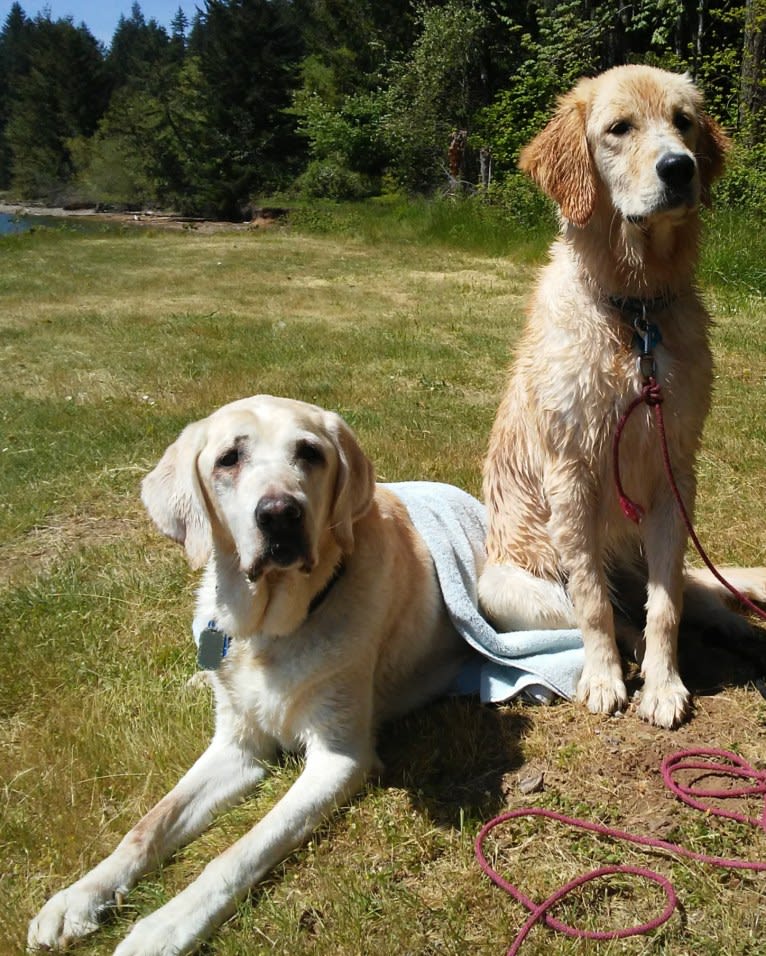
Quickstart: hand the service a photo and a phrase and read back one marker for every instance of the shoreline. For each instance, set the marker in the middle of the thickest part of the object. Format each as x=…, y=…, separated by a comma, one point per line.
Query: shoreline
x=166, y=220
x=32, y=209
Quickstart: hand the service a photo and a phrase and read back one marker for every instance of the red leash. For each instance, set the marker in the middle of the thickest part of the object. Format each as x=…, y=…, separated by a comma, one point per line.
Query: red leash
x=651, y=395
x=702, y=759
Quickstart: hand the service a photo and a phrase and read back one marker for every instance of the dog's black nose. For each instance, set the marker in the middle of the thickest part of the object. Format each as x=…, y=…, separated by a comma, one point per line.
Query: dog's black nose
x=278, y=513
x=676, y=169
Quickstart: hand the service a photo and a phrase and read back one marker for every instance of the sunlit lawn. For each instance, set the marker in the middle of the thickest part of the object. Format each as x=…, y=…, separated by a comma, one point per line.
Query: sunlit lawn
x=111, y=341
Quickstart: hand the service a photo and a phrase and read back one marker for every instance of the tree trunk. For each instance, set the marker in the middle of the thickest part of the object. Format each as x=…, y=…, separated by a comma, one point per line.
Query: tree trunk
x=485, y=167
x=752, y=101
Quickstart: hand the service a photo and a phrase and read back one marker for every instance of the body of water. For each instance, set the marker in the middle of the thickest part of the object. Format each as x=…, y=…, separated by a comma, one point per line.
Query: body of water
x=10, y=225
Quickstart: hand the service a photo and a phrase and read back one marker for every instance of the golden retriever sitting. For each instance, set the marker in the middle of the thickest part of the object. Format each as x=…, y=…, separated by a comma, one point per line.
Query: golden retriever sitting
x=324, y=617
x=628, y=157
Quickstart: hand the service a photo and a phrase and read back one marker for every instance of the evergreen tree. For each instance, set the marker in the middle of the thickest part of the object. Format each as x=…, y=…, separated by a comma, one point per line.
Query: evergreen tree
x=349, y=43
x=179, y=27
x=249, y=54
x=61, y=95
x=138, y=48
x=14, y=64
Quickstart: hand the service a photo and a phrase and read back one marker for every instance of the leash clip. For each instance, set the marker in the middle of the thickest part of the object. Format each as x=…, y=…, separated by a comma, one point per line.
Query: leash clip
x=648, y=335
x=646, y=366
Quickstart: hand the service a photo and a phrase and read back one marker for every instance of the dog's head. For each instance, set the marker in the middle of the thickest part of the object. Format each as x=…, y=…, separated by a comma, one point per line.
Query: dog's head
x=263, y=479
x=635, y=137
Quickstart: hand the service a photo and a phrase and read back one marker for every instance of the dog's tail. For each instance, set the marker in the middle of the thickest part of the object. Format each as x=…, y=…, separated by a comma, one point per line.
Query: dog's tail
x=703, y=592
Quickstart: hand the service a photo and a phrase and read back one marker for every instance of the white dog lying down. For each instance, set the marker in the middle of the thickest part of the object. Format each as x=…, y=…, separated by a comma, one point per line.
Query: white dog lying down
x=334, y=618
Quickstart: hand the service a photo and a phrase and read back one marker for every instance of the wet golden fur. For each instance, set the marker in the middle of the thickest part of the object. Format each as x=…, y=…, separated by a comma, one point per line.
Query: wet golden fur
x=631, y=229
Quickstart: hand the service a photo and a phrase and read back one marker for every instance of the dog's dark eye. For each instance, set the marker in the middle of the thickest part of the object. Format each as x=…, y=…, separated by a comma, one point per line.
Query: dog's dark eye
x=309, y=453
x=228, y=459
x=682, y=122
x=620, y=128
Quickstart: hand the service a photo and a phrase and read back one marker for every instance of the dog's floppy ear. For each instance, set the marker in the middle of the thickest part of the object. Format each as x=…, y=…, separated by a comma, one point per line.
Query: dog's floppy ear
x=711, y=152
x=174, y=499
x=354, y=484
x=559, y=161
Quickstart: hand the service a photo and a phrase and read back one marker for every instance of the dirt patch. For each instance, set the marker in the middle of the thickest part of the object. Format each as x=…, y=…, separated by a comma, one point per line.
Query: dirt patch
x=46, y=545
x=615, y=763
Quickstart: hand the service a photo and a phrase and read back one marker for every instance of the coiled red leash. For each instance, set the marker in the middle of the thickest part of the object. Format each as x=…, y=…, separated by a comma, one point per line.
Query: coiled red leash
x=709, y=762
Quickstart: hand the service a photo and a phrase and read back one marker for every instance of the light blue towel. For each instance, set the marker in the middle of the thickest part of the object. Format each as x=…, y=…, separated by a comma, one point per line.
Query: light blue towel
x=541, y=663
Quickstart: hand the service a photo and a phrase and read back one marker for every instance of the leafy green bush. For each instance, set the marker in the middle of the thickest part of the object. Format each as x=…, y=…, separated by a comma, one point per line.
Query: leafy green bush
x=743, y=185
x=330, y=179
x=349, y=134
x=433, y=92
x=522, y=201
x=109, y=169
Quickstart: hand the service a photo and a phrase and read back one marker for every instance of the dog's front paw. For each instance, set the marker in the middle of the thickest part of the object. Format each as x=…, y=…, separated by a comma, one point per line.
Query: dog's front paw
x=665, y=704
x=69, y=915
x=172, y=930
x=154, y=936
x=602, y=693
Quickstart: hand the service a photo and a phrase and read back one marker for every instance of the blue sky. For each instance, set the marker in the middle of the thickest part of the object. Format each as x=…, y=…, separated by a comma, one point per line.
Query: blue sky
x=101, y=16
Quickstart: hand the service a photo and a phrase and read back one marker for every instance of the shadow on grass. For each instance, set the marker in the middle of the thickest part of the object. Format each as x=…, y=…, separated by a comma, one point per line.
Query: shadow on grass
x=711, y=659
x=452, y=757
x=712, y=656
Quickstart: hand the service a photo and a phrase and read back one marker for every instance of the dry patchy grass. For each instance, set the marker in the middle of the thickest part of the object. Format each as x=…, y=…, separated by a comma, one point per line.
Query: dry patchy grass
x=111, y=343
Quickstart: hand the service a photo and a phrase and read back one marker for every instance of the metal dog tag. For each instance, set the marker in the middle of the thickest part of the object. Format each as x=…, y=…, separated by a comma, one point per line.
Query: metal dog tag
x=213, y=645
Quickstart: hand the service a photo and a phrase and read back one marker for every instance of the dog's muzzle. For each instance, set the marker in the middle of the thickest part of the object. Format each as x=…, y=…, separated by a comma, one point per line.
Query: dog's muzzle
x=281, y=520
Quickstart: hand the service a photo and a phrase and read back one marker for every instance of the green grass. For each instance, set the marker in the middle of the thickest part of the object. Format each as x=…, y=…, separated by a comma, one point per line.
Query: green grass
x=734, y=254
x=402, y=318
x=466, y=224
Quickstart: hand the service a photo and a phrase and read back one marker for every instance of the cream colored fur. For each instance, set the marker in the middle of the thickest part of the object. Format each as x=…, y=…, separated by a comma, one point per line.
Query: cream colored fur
x=556, y=529
x=320, y=681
